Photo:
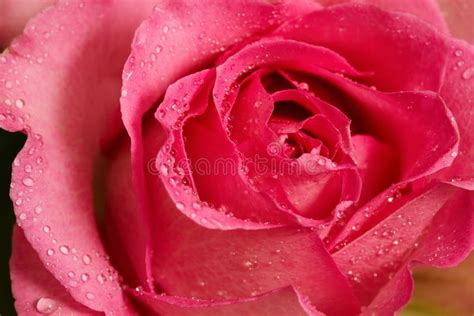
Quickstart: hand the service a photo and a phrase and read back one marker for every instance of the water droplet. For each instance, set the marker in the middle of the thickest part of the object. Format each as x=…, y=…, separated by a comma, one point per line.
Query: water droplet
x=390, y=199
x=20, y=103
x=71, y=274
x=180, y=206
x=28, y=182
x=165, y=29
x=158, y=49
x=90, y=296
x=101, y=278
x=468, y=73
x=64, y=249
x=46, y=305
x=8, y=84
x=18, y=201
x=458, y=53
x=28, y=168
x=86, y=259
x=196, y=205
x=22, y=216
x=454, y=154
x=84, y=277
x=50, y=252
x=38, y=210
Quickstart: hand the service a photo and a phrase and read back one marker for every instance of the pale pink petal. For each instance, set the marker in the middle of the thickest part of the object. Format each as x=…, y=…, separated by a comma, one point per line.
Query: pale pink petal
x=62, y=90
x=14, y=14
x=427, y=10
x=34, y=288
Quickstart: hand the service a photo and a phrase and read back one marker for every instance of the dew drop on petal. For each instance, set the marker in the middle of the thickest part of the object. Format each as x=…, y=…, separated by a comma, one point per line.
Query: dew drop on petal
x=90, y=296
x=71, y=274
x=38, y=210
x=20, y=103
x=86, y=259
x=46, y=305
x=196, y=205
x=22, y=216
x=28, y=182
x=180, y=206
x=85, y=277
x=468, y=73
x=50, y=252
x=47, y=229
x=101, y=278
x=64, y=249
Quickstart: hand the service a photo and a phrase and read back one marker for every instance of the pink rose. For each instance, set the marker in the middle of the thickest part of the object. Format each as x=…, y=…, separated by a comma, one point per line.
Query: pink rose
x=282, y=158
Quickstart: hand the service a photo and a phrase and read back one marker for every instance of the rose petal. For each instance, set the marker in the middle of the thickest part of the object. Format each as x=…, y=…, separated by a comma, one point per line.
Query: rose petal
x=237, y=264
x=396, y=117
x=38, y=291
x=404, y=54
x=188, y=167
x=427, y=228
x=15, y=14
x=279, y=302
x=377, y=165
x=458, y=92
x=427, y=10
x=168, y=252
x=61, y=90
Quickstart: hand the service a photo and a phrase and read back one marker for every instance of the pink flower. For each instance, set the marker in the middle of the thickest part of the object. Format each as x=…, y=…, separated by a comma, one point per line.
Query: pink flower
x=281, y=158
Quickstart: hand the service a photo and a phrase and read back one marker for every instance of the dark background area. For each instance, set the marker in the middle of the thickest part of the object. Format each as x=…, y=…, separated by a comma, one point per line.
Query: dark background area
x=10, y=144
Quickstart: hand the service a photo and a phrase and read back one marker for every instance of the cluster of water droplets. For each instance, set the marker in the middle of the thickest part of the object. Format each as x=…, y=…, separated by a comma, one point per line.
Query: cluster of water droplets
x=467, y=71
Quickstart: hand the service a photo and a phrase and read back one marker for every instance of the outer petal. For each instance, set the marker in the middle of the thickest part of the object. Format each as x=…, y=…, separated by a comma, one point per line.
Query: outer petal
x=404, y=54
x=277, y=303
x=435, y=227
x=427, y=10
x=237, y=264
x=33, y=291
x=458, y=92
x=60, y=83
x=14, y=14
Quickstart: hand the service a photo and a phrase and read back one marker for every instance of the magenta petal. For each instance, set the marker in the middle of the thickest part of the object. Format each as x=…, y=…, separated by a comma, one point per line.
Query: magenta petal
x=38, y=291
x=404, y=54
x=377, y=163
x=458, y=92
x=237, y=264
x=427, y=228
x=275, y=53
x=279, y=302
x=54, y=89
x=394, y=117
x=188, y=167
x=427, y=10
